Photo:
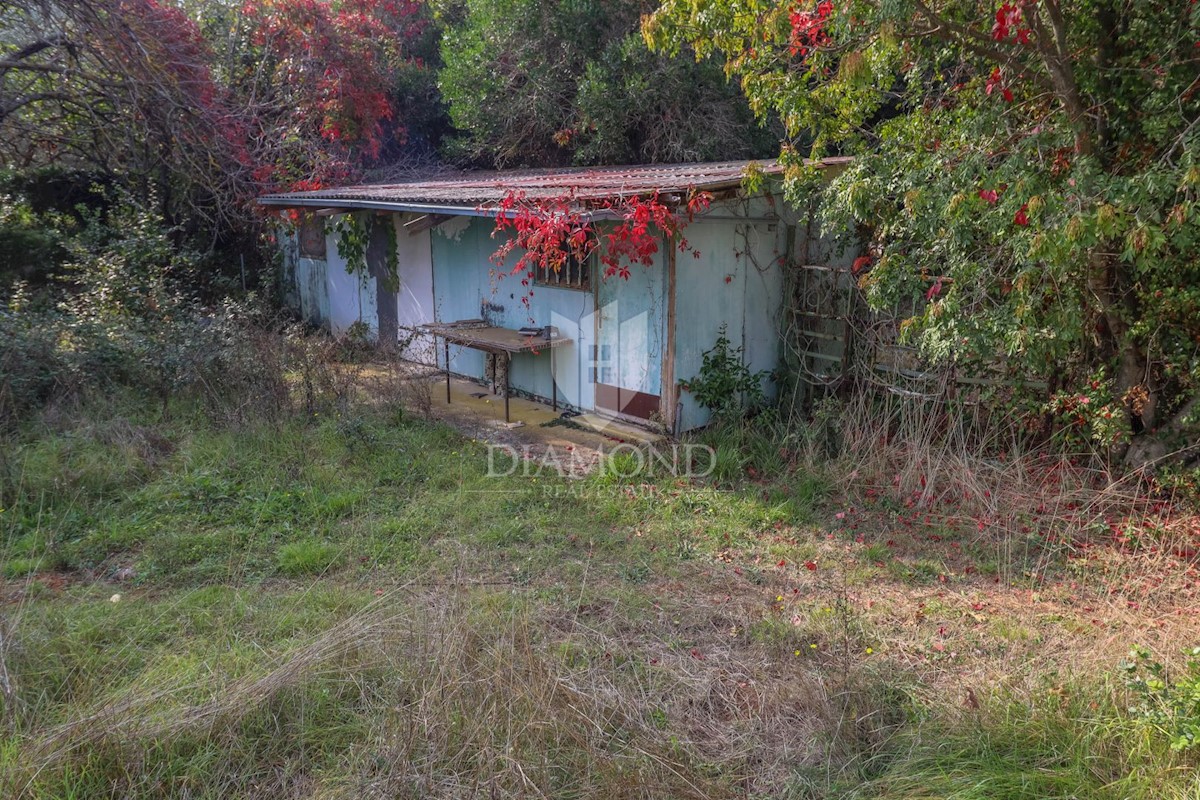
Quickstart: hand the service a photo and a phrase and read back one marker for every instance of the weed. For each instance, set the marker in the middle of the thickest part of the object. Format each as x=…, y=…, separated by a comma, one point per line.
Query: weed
x=1169, y=704
x=633, y=638
x=307, y=557
x=20, y=567
x=725, y=385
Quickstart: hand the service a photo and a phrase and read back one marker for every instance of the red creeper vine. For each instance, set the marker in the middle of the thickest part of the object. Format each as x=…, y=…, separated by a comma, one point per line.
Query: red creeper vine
x=550, y=231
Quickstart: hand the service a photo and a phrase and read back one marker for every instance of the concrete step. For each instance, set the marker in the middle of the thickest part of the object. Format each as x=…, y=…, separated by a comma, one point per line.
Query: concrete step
x=618, y=429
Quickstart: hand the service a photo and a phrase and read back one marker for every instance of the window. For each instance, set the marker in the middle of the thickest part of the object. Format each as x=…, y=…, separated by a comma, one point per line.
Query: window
x=312, y=236
x=574, y=274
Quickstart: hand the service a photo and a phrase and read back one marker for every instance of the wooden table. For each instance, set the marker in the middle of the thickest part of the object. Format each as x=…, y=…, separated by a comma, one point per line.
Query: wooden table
x=496, y=341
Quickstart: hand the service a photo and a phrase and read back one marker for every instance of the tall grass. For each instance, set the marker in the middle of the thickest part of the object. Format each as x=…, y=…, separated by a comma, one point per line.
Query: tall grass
x=336, y=600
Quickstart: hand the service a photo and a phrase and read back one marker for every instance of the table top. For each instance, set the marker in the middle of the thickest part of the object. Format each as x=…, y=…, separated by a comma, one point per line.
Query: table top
x=491, y=339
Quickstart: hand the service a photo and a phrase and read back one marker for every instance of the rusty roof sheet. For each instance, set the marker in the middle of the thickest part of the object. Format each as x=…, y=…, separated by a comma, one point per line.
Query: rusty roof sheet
x=475, y=190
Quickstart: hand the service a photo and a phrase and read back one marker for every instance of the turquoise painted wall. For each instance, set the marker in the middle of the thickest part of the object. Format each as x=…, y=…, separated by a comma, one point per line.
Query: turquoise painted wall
x=464, y=279
x=736, y=280
x=749, y=302
x=631, y=329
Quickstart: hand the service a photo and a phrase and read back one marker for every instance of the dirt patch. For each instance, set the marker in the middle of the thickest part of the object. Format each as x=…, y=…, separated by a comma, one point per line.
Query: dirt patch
x=535, y=432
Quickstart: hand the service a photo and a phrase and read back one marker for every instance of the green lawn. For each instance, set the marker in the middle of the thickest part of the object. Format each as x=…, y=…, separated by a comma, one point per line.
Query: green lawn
x=350, y=607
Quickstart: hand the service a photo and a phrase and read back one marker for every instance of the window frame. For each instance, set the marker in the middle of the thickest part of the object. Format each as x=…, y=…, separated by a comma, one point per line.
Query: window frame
x=305, y=235
x=574, y=275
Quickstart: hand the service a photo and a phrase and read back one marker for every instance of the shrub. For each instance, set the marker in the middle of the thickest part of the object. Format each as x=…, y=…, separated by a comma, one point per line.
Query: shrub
x=130, y=320
x=1168, y=704
x=725, y=385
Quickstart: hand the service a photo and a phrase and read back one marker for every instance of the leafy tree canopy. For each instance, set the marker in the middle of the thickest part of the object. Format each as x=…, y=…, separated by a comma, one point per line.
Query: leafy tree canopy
x=554, y=82
x=1029, y=171
x=209, y=103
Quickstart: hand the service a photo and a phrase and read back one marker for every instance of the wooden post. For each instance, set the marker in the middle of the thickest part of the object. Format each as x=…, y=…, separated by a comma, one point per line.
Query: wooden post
x=666, y=406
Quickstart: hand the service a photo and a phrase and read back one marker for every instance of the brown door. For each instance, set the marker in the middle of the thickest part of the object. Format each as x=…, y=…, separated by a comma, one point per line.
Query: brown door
x=629, y=343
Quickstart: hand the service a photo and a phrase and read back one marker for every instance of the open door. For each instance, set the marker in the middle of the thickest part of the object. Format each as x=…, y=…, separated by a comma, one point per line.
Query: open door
x=629, y=344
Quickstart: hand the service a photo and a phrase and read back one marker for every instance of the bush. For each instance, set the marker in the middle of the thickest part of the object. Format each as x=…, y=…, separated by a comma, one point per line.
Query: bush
x=725, y=385
x=31, y=243
x=1168, y=704
x=129, y=319
x=223, y=358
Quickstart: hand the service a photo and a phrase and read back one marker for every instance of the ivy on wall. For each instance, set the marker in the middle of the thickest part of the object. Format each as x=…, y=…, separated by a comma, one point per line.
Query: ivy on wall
x=354, y=240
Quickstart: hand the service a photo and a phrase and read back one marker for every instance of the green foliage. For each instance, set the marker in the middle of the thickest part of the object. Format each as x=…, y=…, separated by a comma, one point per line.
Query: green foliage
x=725, y=385
x=354, y=237
x=30, y=243
x=1031, y=188
x=129, y=320
x=124, y=266
x=355, y=231
x=546, y=82
x=307, y=557
x=207, y=670
x=17, y=568
x=635, y=106
x=1090, y=416
x=1168, y=704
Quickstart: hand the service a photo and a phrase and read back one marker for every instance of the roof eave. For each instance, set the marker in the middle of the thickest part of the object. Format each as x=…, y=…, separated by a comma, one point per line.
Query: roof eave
x=488, y=209
x=351, y=204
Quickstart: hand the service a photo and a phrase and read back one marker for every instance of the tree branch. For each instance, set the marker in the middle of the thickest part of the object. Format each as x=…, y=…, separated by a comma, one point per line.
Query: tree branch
x=977, y=43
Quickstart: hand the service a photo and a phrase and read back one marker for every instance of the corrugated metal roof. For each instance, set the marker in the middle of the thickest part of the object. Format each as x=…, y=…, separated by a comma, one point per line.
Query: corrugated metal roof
x=475, y=190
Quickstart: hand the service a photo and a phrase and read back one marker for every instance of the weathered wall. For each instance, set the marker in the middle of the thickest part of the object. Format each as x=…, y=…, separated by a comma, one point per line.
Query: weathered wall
x=415, y=304
x=464, y=279
x=736, y=281
x=351, y=297
x=305, y=281
x=446, y=274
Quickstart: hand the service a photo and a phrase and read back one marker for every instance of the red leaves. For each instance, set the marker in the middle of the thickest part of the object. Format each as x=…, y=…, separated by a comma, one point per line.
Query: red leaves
x=550, y=231
x=860, y=263
x=1021, y=217
x=989, y=196
x=634, y=240
x=811, y=566
x=933, y=292
x=1008, y=24
x=995, y=79
x=1007, y=27
x=357, y=44
x=547, y=233
x=697, y=203
x=808, y=29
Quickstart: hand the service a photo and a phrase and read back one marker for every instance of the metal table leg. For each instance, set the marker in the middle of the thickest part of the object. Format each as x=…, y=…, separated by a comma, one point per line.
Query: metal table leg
x=447, y=341
x=507, y=381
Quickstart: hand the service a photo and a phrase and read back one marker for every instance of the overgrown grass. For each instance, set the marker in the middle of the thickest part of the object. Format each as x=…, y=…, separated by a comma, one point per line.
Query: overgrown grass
x=345, y=604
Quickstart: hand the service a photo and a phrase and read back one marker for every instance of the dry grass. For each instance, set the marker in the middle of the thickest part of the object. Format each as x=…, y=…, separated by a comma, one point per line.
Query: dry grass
x=472, y=693
x=925, y=614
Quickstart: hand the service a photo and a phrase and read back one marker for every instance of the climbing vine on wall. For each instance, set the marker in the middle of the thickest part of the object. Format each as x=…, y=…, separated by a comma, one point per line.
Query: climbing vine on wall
x=547, y=232
x=354, y=239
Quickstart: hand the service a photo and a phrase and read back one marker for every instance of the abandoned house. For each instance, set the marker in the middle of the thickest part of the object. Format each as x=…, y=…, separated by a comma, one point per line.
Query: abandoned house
x=614, y=346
